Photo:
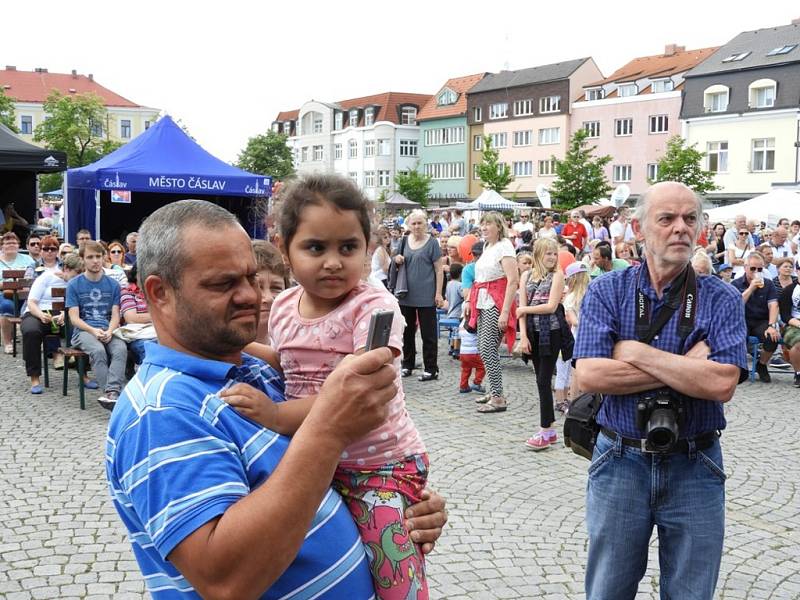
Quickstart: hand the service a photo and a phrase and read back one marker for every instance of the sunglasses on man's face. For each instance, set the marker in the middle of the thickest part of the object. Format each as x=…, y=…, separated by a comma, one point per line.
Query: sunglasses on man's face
x=34, y=244
x=756, y=269
x=742, y=233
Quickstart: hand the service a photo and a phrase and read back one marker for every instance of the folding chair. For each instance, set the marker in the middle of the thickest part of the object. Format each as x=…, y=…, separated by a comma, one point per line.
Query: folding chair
x=69, y=352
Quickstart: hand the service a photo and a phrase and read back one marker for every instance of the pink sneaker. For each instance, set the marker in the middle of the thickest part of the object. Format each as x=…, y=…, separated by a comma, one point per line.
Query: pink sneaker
x=541, y=440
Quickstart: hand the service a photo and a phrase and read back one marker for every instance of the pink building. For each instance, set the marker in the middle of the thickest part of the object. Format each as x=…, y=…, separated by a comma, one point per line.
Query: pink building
x=632, y=113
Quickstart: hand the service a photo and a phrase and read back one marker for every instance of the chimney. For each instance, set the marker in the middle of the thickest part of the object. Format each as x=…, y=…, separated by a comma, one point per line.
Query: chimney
x=91, y=77
x=11, y=68
x=40, y=70
x=74, y=74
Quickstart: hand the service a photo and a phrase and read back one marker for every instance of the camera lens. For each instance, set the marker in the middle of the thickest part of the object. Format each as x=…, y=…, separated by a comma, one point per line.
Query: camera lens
x=662, y=430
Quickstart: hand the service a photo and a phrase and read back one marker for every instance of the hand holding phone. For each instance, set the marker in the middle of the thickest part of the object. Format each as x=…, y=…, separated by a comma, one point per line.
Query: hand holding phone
x=380, y=328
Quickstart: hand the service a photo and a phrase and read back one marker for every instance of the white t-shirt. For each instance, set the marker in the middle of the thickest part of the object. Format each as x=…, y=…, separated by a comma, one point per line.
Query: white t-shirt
x=41, y=290
x=519, y=226
x=796, y=302
x=617, y=230
x=488, y=268
x=783, y=250
x=548, y=233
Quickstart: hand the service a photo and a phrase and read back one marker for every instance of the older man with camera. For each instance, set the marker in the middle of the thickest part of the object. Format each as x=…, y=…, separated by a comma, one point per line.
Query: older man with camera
x=665, y=350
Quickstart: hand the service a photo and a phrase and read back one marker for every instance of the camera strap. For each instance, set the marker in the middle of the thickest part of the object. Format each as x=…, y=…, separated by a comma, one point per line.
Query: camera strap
x=682, y=294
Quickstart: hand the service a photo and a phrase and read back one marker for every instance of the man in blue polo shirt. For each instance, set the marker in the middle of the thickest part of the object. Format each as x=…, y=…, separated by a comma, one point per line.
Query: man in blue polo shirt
x=216, y=505
x=696, y=357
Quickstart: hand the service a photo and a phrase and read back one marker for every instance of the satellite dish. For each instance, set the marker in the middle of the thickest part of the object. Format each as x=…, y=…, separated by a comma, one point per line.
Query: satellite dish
x=544, y=195
x=620, y=195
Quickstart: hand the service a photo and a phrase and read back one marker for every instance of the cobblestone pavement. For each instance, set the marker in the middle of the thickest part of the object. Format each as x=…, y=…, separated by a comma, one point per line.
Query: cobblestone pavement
x=516, y=517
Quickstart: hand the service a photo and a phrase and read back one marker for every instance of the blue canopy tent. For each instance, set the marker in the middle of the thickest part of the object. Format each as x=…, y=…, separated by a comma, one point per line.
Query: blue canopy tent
x=160, y=166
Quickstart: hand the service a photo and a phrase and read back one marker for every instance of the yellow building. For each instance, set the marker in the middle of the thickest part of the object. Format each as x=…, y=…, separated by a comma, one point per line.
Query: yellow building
x=29, y=90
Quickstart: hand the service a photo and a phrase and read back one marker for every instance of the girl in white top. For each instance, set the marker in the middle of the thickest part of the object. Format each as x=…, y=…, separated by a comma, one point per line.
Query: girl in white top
x=379, y=264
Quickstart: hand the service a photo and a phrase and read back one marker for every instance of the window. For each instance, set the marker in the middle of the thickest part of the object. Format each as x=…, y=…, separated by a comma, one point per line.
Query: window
x=652, y=171
x=622, y=173
x=446, y=97
x=352, y=149
x=501, y=167
x=523, y=138
x=287, y=127
x=304, y=154
x=477, y=142
x=369, y=116
x=444, y=136
x=369, y=148
x=498, y=110
x=276, y=127
x=715, y=99
x=354, y=118
x=547, y=167
x=383, y=178
x=125, y=129
x=523, y=107
x=549, y=104
x=318, y=153
x=629, y=89
x=297, y=127
x=338, y=120
x=475, y=171
x=623, y=127
x=550, y=135
x=408, y=115
x=384, y=147
x=736, y=57
x=408, y=147
x=26, y=124
x=659, y=123
x=449, y=170
x=522, y=168
x=337, y=151
x=595, y=94
x=477, y=113
x=369, y=179
x=592, y=128
x=499, y=140
x=781, y=50
x=97, y=129
x=762, y=93
x=317, y=123
x=353, y=175
x=763, y=154
x=147, y=125
x=662, y=85
x=717, y=156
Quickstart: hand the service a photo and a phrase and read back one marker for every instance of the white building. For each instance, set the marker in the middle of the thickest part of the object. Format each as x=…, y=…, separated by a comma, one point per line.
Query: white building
x=368, y=139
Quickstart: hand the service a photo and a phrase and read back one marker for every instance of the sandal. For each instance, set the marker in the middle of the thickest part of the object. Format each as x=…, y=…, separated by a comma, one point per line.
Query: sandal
x=483, y=399
x=9, y=349
x=491, y=407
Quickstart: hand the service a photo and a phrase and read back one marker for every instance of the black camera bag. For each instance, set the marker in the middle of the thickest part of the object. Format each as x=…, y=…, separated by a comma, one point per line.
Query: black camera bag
x=580, y=426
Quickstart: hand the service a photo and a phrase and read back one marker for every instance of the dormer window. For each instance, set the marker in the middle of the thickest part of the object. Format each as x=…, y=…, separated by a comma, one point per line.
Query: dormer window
x=595, y=94
x=276, y=127
x=287, y=127
x=628, y=89
x=736, y=57
x=761, y=93
x=369, y=116
x=408, y=115
x=662, y=85
x=446, y=97
x=338, y=120
x=715, y=98
x=353, y=118
x=781, y=50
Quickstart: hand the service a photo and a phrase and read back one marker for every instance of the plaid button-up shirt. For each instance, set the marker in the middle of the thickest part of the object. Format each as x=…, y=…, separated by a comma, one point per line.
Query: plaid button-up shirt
x=608, y=315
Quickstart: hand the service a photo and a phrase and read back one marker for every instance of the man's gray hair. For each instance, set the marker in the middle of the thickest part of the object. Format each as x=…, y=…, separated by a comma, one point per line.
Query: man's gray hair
x=160, y=249
x=640, y=211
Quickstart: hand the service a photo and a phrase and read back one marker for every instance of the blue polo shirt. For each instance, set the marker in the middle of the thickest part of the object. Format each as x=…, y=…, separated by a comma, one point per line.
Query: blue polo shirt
x=177, y=456
x=608, y=315
x=756, y=309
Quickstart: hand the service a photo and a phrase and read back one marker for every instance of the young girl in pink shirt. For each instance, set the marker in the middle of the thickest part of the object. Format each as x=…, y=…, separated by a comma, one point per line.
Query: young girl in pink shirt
x=324, y=226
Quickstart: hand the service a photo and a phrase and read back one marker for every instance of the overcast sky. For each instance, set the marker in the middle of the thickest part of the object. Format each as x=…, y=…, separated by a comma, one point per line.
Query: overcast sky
x=227, y=71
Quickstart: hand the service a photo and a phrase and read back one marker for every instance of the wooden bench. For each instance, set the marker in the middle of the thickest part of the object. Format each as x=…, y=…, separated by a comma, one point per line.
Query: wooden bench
x=16, y=287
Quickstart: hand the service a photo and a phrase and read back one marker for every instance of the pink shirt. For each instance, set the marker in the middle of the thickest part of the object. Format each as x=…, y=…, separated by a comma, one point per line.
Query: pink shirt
x=310, y=349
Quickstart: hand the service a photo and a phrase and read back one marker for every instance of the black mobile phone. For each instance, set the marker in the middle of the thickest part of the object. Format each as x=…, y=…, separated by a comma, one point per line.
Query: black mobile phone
x=380, y=328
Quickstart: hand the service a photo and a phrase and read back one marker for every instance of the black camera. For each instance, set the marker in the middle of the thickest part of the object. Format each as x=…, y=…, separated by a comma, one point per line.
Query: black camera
x=660, y=415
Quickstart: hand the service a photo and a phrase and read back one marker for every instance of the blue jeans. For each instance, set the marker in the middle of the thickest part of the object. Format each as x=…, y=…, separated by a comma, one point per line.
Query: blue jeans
x=628, y=492
x=137, y=348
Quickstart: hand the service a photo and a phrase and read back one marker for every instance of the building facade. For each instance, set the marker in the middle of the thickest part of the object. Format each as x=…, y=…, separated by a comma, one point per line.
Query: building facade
x=444, y=154
x=631, y=114
x=742, y=107
x=30, y=89
x=526, y=113
x=368, y=139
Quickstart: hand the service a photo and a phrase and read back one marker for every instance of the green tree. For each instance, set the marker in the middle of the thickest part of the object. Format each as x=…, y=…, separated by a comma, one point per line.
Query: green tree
x=50, y=181
x=580, y=175
x=267, y=154
x=493, y=176
x=682, y=163
x=7, y=114
x=414, y=185
x=76, y=125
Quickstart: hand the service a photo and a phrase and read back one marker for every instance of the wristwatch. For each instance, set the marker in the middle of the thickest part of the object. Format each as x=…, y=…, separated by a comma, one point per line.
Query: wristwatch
x=773, y=325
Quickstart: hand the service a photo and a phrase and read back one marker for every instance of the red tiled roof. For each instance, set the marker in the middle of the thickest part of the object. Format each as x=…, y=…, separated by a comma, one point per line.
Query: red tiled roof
x=660, y=65
x=387, y=104
x=460, y=85
x=33, y=86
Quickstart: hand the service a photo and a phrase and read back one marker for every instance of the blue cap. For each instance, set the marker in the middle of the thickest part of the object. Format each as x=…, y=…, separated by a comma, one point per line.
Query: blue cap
x=724, y=266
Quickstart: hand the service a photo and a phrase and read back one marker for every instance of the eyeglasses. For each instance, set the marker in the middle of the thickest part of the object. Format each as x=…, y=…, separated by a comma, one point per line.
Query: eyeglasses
x=34, y=243
x=115, y=251
x=756, y=269
x=743, y=233
x=49, y=249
